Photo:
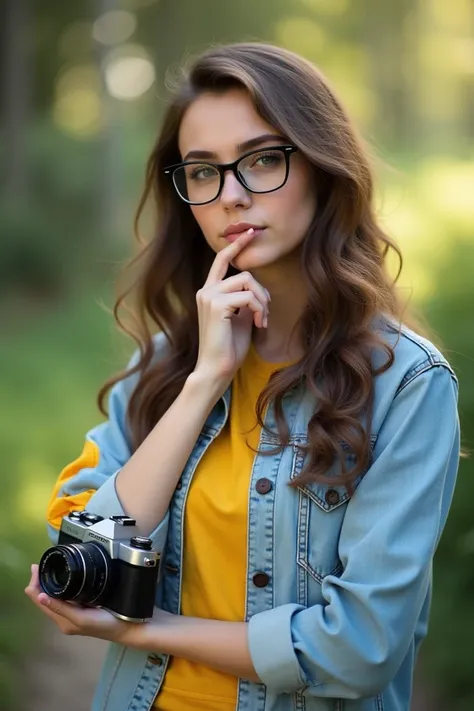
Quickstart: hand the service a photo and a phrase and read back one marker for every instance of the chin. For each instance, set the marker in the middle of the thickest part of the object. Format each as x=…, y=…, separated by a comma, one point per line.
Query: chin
x=253, y=261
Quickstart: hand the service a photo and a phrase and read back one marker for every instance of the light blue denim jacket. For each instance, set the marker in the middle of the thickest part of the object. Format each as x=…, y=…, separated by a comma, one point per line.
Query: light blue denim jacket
x=339, y=624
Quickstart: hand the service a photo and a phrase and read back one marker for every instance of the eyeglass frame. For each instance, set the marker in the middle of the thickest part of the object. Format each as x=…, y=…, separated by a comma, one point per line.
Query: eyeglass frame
x=223, y=168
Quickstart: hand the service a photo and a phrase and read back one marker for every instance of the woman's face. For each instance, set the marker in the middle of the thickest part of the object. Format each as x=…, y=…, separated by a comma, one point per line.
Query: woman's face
x=216, y=125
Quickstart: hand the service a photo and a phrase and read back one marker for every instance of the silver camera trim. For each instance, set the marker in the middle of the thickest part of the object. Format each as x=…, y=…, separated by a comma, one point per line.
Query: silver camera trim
x=112, y=536
x=78, y=550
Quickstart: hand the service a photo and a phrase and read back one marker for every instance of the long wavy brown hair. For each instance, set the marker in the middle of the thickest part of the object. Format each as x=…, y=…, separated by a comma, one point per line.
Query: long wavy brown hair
x=343, y=260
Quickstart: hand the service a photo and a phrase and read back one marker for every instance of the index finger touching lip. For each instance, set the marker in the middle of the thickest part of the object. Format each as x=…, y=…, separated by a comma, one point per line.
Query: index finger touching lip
x=223, y=258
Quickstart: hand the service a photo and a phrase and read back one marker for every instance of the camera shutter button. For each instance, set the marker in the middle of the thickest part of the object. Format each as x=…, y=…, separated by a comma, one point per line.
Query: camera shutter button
x=141, y=542
x=90, y=518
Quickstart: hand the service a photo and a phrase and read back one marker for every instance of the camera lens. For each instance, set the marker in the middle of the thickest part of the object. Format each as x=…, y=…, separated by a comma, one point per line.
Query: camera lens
x=60, y=574
x=76, y=571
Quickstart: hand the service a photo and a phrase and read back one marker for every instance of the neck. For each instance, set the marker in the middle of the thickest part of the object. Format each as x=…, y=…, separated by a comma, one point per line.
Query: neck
x=281, y=340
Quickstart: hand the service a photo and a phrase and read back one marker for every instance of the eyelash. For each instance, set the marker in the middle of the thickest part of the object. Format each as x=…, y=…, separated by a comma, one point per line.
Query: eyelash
x=258, y=156
x=270, y=154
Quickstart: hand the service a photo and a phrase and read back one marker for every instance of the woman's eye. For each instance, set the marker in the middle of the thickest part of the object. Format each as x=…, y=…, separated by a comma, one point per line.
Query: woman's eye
x=267, y=159
x=202, y=172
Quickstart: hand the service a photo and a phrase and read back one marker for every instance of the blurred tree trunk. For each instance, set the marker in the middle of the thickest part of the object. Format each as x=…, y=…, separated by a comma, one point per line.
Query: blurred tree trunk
x=389, y=46
x=110, y=151
x=16, y=90
x=182, y=29
x=468, y=84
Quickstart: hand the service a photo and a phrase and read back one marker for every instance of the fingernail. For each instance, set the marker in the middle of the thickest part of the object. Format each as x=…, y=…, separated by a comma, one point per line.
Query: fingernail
x=268, y=294
x=250, y=231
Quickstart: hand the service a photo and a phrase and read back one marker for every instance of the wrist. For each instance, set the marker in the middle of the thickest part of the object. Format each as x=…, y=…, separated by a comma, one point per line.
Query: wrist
x=132, y=634
x=151, y=636
x=205, y=385
x=144, y=636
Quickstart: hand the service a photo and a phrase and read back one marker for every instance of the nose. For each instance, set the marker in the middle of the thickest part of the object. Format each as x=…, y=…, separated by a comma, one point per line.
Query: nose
x=233, y=193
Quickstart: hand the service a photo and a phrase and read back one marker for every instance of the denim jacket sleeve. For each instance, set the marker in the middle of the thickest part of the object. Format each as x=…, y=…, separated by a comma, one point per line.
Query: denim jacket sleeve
x=352, y=646
x=88, y=483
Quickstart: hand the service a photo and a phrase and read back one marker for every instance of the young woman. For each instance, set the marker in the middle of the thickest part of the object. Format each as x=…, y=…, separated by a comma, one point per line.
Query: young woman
x=285, y=440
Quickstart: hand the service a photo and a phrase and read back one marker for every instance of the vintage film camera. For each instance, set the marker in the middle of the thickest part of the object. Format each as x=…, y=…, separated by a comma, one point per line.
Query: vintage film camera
x=102, y=562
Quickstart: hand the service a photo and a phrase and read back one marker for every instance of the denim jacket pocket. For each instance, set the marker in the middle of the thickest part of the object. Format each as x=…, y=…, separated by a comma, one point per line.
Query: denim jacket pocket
x=321, y=510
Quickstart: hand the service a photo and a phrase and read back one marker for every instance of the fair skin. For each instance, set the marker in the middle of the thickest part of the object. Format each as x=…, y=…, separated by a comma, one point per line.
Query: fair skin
x=270, y=269
x=272, y=258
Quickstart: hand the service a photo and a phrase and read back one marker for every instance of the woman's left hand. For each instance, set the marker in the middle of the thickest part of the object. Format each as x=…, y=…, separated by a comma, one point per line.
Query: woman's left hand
x=85, y=621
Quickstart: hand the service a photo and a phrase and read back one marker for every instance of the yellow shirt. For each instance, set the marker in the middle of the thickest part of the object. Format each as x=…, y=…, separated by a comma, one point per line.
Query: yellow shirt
x=215, y=543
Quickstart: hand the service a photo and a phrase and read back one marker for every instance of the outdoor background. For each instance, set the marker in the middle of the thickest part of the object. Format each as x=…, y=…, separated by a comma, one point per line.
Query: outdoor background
x=82, y=92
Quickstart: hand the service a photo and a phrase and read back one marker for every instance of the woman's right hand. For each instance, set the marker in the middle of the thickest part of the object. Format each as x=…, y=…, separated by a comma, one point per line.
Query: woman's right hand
x=227, y=309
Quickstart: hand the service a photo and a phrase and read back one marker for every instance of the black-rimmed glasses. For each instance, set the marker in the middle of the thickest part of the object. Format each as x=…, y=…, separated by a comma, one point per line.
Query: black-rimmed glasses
x=259, y=171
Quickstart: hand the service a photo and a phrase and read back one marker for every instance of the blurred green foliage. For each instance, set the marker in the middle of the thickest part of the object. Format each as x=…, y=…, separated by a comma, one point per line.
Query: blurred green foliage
x=448, y=649
x=73, y=157
x=50, y=375
x=58, y=240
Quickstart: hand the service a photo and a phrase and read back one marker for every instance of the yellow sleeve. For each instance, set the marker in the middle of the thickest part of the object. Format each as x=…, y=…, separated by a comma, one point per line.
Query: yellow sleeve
x=61, y=503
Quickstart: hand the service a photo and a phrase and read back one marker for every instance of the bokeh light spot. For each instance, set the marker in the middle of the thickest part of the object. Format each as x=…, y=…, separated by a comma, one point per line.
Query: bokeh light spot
x=77, y=104
x=129, y=72
x=114, y=27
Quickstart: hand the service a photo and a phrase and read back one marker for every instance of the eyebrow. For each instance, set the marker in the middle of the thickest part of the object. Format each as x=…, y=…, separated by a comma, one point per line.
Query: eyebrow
x=241, y=147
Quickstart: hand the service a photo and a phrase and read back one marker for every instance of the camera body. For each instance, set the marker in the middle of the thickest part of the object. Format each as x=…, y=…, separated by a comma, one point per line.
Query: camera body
x=102, y=562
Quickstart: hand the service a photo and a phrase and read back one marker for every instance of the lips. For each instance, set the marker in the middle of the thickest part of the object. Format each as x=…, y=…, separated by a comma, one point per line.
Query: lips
x=233, y=231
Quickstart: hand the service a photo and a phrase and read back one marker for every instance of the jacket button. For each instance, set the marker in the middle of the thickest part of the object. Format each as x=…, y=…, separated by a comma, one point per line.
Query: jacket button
x=263, y=486
x=155, y=659
x=332, y=497
x=261, y=580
